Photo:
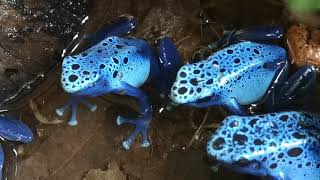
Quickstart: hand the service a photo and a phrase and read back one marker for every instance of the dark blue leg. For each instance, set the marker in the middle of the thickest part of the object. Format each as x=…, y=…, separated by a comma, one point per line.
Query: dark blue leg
x=1, y=161
x=73, y=102
x=142, y=122
x=213, y=100
x=124, y=25
x=272, y=96
x=260, y=34
x=168, y=63
x=298, y=85
x=235, y=108
x=15, y=130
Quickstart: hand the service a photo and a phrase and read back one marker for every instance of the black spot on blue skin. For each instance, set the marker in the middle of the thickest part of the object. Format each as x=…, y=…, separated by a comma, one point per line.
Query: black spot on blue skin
x=252, y=149
x=295, y=152
x=298, y=135
x=84, y=54
x=86, y=72
x=183, y=82
x=105, y=44
x=264, y=159
x=125, y=60
x=196, y=71
x=191, y=92
x=183, y=74
x=237, y=60
x=202, y=75
x=199, y=90
x=201, y=66
x=222, y=70
x=119, y=46
x=115, y=74
x=248, y=49
x=229, y=51
x=182, y=90
x=194, y=81
x=256, y=51
x=284, y=117
x=75, y=66
x=273, y=166
x=73, y=78
x=308, y=163
x=215, y=63
x=272, y=144
x=250, y=58
x=218, y=143
x=174, y=88
x=258, y=142
x=99, y=51
x=210, y=81
x=244, y=129
x=299, y=165
x=281, y=155
x=102, y=66
x=115, y=60
x=110, y=40
x=241, y=139
x=253, y=122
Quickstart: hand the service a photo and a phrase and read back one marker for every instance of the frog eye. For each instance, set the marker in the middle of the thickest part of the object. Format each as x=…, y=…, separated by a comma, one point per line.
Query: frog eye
x=234, y=124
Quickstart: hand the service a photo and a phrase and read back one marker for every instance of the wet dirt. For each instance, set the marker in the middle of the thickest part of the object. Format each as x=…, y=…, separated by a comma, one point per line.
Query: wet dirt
x=93, y=150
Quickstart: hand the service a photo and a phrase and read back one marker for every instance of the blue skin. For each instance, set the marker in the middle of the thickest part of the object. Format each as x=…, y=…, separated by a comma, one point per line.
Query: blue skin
x=283, y=146
x=13, y=130
x=120, y=65
x=241, y=74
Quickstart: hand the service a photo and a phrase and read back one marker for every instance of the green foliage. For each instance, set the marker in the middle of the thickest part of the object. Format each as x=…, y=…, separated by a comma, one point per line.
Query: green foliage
x=304, y=5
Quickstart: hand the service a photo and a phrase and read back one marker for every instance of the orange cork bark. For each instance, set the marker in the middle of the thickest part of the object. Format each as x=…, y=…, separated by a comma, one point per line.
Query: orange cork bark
x=304, y=45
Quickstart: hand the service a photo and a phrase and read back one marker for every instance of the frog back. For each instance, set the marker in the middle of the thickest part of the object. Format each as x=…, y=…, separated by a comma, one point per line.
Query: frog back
x=246, y=70
x=124, y=59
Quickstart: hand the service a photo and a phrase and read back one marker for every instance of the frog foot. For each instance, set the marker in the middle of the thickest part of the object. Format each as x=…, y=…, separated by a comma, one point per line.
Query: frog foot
x=141, y=126
x=73, y=103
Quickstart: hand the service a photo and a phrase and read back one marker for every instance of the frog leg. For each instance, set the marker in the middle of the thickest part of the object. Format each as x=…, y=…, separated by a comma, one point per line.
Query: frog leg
x=260, y=34
x=234, y=107
x=298, y=85
x=165, y=67
x=1, y=161
x=73, y=102
x=143, y=121
x=15, y=130
x=124, y=25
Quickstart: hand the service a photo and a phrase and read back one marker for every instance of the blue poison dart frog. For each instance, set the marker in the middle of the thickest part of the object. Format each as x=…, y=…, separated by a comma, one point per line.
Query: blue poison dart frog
x=283, y=146
x=13, y=130
x=241, y=74
x=120, y=65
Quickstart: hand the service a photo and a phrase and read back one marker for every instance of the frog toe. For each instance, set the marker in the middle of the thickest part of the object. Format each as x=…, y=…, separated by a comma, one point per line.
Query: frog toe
x=60, y=111
x=72, y=122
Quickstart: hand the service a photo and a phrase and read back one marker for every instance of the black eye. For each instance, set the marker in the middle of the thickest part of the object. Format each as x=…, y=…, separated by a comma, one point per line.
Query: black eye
x=234, y=123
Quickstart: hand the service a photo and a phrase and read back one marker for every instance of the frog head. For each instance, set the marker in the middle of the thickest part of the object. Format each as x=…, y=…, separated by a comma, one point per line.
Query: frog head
x=80, y=73
x=194, y=82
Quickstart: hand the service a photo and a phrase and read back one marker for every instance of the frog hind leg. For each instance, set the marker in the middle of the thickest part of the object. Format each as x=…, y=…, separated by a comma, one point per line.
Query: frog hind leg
x=73, y=102
x=234, y=107
x=122, y=26
x=298, y=85
x=259, y=34
x=165, y=68
x=142, y=122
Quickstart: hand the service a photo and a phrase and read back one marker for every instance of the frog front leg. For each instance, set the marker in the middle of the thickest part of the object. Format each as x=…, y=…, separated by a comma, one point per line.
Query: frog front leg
x=73, y=103
x=143, y=121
